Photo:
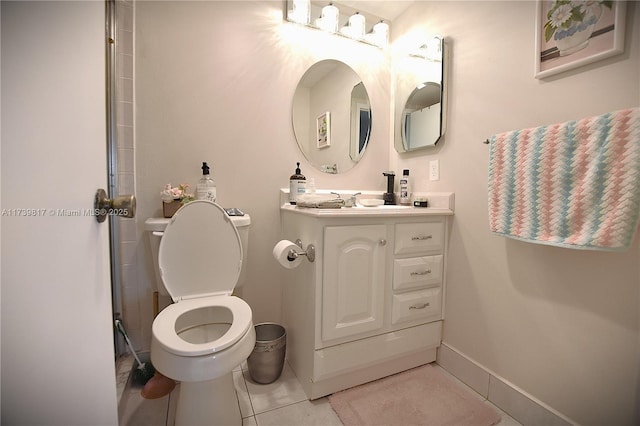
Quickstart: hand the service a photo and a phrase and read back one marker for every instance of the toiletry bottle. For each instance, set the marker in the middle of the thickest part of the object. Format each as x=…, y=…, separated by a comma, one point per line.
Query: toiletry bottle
x=206, y=188
x=405, y=188
x=297, y=185
x=311, y=186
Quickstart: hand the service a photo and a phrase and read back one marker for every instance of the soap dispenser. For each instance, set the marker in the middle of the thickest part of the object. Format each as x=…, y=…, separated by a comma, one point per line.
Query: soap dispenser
x=388, y=196
x=297, y=185
x=206, y=187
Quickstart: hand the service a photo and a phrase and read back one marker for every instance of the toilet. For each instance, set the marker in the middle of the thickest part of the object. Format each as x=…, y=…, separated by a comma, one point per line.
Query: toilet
x=206, y=333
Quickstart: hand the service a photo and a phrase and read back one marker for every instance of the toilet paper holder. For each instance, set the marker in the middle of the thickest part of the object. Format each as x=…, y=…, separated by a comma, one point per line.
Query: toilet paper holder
x=310, y=252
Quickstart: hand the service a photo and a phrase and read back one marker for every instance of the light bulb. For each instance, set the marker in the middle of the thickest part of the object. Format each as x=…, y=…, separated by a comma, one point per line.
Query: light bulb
x=380, y=34
x=330, y=15
x=300, y=11
x=356, y=25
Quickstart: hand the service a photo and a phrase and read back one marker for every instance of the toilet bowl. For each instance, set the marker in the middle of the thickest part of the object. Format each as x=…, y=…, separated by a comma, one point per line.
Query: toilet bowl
x=200, y=338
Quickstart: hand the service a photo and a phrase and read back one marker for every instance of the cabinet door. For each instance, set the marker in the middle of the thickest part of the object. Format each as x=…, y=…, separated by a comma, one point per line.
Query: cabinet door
x=353, y=280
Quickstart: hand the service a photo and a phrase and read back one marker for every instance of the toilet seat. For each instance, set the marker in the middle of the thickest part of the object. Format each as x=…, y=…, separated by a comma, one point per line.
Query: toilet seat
x=164, y=326
x=201, y=277
x=200, y=252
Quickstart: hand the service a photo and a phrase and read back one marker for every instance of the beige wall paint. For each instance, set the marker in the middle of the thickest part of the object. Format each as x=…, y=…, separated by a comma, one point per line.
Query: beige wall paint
x=214, y=82
x=562, y=325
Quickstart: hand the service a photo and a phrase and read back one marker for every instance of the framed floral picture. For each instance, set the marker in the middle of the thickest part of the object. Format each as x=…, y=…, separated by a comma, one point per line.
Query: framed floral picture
x=324, y=130
x=572, y=33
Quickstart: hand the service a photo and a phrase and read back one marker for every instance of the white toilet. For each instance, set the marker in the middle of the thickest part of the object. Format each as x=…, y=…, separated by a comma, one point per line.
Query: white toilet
x=207, y=332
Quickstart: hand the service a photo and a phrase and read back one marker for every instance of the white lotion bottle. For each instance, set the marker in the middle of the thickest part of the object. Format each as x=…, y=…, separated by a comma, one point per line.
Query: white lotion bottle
x=206, y=187
x=405, y=188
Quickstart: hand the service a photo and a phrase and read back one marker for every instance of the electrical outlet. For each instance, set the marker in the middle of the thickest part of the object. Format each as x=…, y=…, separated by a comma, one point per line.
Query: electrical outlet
x=434, y=170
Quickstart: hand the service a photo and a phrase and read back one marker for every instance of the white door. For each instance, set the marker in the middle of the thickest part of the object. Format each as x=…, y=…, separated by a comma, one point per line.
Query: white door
x=353, y=280
x=57, y=342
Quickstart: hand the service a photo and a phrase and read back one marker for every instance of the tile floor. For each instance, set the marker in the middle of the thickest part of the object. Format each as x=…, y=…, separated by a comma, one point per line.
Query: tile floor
x=280, y=403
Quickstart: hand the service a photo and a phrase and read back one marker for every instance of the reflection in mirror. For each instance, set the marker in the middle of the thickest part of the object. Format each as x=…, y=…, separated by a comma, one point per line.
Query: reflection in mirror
x=360, y=121
x=331, y=116
x=419, y=101
x=421, y=119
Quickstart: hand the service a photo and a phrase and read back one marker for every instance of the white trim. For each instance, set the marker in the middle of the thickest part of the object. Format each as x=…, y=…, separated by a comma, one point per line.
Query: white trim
x=533, y=411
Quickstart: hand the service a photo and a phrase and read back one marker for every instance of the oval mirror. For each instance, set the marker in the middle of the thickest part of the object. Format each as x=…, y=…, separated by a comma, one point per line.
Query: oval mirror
x=331, y=116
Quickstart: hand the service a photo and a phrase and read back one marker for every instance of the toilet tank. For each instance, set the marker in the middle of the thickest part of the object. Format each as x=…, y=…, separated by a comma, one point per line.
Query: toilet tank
x=155, y=227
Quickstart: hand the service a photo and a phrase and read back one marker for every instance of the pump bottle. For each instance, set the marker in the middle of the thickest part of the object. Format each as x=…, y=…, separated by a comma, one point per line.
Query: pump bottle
x=206, y=187
x=297, y=185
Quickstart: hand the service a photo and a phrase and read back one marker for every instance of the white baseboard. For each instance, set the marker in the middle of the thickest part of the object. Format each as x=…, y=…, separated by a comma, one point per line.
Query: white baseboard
x=515, y=402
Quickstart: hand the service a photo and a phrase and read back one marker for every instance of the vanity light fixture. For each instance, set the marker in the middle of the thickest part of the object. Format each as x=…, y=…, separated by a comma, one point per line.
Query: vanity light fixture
x=329, y=20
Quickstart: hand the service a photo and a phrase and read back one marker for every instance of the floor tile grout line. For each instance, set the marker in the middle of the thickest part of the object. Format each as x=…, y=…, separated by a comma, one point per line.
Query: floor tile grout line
x=282, y=406
x=246, y=386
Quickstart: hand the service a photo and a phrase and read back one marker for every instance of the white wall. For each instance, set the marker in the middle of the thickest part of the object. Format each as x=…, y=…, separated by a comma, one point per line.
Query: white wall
x=215, y=82
x=562, y=325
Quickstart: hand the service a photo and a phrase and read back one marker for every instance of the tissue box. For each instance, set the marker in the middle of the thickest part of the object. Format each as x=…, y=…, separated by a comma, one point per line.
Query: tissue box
x=169, y=209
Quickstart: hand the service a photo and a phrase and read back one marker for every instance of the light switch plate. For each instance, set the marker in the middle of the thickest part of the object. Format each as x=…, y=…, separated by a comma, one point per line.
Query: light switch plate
x=434, y=170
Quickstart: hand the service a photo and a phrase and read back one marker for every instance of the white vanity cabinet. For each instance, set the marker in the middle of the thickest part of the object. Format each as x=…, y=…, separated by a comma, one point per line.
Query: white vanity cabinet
x=370, y=305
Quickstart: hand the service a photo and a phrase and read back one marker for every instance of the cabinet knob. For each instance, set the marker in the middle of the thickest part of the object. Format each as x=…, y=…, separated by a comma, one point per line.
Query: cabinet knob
x=383, y=242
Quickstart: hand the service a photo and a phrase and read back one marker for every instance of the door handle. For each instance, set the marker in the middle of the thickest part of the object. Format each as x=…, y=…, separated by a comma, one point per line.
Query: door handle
x=122, y=205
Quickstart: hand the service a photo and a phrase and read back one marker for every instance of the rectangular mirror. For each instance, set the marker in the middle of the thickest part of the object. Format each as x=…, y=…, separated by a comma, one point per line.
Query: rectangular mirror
x=419, y=97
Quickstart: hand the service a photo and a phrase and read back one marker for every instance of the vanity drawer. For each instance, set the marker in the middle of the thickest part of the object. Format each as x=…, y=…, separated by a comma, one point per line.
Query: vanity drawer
x=417, y=272
x=416, y=305
x=414, y=238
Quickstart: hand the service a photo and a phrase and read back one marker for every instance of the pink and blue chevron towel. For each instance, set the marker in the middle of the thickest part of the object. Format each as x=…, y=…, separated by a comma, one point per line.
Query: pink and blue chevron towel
x=573, y=184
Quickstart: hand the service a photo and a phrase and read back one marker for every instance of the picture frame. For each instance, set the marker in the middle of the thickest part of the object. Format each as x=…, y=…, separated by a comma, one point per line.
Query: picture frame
x=572, y=34
x=323, y=134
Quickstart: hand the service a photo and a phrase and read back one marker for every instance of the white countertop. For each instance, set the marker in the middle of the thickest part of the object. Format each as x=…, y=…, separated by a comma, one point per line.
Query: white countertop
x=440, y=204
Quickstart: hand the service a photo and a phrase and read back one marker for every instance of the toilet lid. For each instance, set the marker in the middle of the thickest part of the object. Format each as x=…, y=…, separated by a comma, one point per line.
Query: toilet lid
x=200, y=252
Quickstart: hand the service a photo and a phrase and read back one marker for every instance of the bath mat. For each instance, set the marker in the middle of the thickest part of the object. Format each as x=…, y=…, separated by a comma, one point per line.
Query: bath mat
x=420, y=396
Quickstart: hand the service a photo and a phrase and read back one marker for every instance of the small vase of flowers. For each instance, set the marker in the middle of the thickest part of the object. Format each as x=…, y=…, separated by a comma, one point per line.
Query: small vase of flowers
x=174, y=197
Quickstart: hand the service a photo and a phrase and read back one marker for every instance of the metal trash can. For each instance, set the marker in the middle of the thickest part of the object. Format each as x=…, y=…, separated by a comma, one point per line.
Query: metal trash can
x=267, y=358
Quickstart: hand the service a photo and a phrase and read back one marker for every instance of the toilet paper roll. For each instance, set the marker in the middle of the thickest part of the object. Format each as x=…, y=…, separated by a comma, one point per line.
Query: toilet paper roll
x=281, y=253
